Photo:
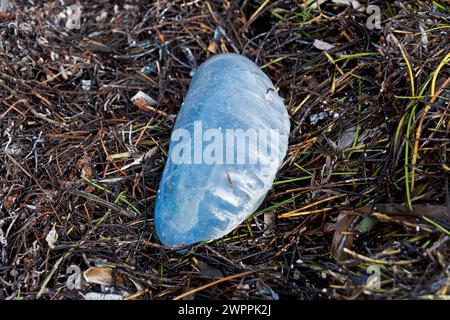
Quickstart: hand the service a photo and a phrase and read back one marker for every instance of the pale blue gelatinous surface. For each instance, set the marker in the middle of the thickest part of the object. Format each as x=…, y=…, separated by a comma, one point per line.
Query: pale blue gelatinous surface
x=205, y=201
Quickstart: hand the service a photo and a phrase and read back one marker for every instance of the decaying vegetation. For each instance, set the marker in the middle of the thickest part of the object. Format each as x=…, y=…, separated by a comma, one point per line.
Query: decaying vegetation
x=365, y=184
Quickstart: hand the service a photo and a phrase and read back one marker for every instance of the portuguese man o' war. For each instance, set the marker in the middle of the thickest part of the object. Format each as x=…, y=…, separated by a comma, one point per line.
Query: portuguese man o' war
x=229, y=140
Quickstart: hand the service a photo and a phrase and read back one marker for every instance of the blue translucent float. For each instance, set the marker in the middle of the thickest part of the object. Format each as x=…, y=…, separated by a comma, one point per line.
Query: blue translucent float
x=229, y=140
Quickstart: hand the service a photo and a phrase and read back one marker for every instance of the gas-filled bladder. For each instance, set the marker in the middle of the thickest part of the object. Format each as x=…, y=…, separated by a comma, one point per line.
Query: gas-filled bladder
x=229, y=140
